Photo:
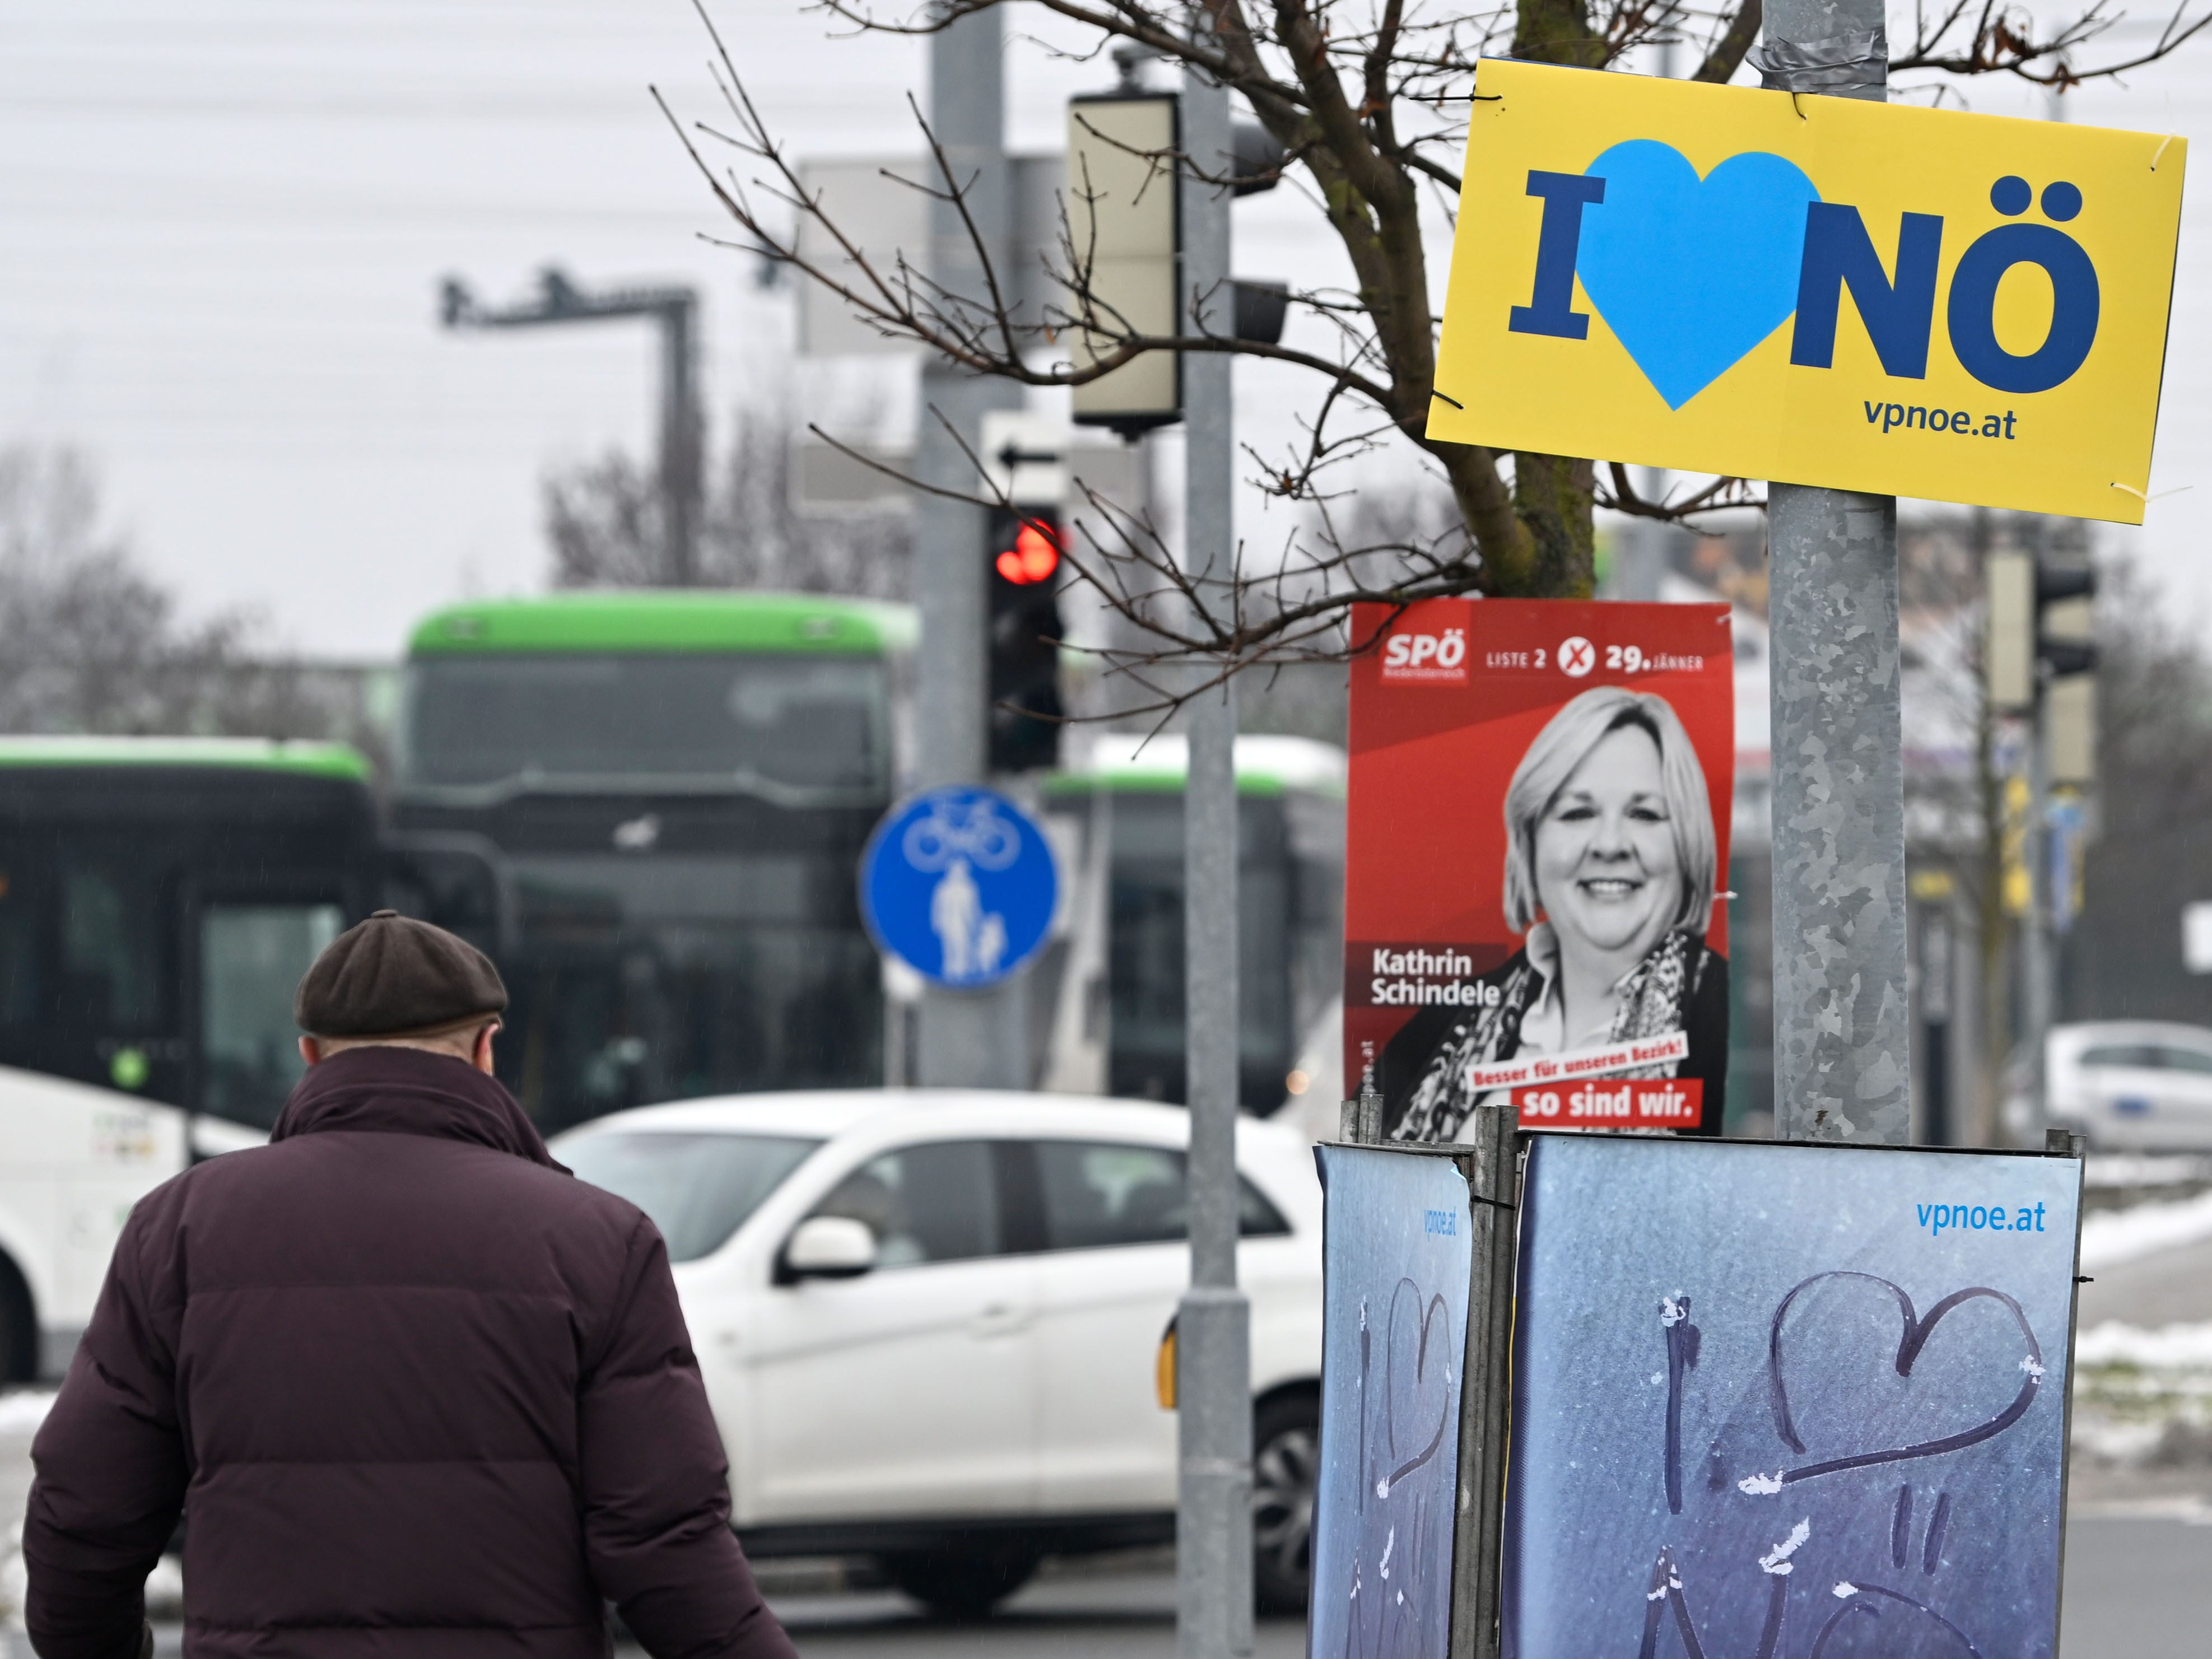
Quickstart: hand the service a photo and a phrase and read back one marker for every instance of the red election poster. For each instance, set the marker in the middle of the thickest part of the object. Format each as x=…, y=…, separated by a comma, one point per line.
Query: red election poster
x=1538, y=849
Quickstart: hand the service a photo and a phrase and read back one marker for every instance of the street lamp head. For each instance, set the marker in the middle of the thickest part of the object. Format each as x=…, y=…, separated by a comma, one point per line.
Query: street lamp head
x=1130, y=58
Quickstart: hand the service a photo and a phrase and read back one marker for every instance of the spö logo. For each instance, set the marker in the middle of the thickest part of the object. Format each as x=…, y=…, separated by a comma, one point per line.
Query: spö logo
x=1438, y=658
x=1691, y=274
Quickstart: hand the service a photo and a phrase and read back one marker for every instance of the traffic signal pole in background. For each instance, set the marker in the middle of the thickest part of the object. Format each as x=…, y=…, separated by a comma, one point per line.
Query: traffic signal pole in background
x=2039, y=660
x=1213, y=1394
x=676, y=309
x=975, y=1038
x=1842, y=1022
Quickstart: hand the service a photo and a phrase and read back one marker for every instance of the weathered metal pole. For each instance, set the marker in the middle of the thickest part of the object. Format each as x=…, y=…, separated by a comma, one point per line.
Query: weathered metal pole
x=973, y=1037
x=1842, y=1020
x=1213, y=1395
x=2036, y=967
x=1494, y=1185
x=680, y=433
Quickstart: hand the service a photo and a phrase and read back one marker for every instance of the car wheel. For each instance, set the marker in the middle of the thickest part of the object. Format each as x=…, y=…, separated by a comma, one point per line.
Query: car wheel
x=1286, y=1460
x=960, y=1585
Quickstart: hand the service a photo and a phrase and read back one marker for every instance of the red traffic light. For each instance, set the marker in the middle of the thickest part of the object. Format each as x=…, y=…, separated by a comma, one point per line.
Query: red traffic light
x=1032, y=558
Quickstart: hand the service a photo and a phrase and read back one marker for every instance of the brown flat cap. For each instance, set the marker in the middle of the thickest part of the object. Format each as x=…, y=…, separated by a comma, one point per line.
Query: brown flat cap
x=392, y=976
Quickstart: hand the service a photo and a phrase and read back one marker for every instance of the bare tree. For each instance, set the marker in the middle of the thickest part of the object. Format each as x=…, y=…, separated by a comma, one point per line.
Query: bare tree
x=2153, y=711
x=1367, y=100
x=603, y=520
x=89, y=642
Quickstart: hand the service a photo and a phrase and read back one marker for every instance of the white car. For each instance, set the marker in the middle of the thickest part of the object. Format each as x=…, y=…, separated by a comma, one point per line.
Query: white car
x=2135, y=1085
x=929, y=1320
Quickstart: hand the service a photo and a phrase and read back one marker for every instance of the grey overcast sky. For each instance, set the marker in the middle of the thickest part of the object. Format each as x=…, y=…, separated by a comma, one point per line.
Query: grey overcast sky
x=221, y=225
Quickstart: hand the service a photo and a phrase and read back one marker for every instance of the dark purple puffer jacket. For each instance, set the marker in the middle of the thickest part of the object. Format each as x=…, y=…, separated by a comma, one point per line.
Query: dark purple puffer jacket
x=419, y=1390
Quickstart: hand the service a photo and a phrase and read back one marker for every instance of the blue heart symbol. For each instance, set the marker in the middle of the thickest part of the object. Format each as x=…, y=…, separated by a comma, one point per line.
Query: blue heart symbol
x=1690, y=275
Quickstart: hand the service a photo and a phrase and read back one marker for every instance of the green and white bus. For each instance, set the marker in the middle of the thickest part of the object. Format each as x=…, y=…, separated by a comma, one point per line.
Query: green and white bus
x=159, y=898
x=1117, y=984
x=648, y=807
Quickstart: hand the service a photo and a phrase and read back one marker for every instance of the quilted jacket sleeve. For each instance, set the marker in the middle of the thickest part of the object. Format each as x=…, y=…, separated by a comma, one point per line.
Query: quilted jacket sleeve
x=655, y=1484
x=110, y=1459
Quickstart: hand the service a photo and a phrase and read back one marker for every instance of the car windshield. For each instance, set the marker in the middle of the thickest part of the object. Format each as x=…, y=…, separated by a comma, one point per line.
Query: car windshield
x=698, y=1189
x=2139, y=1055
x=792, y=721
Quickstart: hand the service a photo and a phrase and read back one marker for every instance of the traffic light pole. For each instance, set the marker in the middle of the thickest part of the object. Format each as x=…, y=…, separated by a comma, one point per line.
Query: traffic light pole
x=2038, y=638
x=2035, y=934
x=1214, y=1392
x=676, y=311
x=975, y=1038
x=1842, y=1015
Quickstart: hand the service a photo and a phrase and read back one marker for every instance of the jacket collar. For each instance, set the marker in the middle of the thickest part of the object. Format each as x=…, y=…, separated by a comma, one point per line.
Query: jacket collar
x=410, y=1091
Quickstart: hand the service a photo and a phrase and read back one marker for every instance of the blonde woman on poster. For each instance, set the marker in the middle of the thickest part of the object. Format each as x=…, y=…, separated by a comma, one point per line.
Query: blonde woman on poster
x=1610, y=879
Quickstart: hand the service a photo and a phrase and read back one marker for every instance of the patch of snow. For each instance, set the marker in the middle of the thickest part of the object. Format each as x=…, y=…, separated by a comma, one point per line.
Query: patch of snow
x=2113, y=1236
x=165, y=1589
x=1844, y=1590
x=2113, y=1343
x=22, y=1411
x=2188, y=1509
x=2031, y=1365
x=2116, y=1442
x=2144, y=1169
x=1761, y=1486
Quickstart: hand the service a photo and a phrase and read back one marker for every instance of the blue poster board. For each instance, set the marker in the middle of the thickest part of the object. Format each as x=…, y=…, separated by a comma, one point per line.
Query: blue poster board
x=1774, y=1399
x=1396, y=1254
x=959, y=883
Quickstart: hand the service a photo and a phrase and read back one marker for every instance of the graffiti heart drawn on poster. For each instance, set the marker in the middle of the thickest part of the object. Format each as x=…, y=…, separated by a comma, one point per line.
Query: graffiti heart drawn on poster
x=1396, y=1245
x=1537, y=848
x=1776, y=1399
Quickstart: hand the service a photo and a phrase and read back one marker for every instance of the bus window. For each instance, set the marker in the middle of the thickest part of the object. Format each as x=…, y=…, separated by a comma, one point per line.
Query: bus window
x=111, y=944
x=1144, y=949
x=19, y=953
x=806, y=722
x=252, y=956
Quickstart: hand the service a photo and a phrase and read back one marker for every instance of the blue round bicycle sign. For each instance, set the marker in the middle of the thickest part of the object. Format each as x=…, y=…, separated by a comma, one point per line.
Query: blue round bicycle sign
x=959, y=884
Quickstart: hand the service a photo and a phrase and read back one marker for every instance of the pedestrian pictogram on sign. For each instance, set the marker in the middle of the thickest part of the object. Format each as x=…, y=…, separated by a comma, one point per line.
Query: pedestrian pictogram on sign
x=959, y=883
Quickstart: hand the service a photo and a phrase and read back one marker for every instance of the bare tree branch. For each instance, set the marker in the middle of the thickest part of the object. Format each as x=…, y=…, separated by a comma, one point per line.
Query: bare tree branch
x=1369, y=102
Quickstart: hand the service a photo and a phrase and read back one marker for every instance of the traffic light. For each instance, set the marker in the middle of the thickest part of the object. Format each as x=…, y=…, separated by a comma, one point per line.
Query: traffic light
x=2042, y=634
x=1023, y=552
x=2066, y=641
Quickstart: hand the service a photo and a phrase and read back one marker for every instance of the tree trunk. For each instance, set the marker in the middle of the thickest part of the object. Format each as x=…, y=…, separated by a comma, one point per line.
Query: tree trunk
x=1553, y=495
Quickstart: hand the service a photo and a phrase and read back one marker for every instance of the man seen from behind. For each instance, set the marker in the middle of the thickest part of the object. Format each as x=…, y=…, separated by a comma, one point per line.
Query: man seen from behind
x=418, y=1390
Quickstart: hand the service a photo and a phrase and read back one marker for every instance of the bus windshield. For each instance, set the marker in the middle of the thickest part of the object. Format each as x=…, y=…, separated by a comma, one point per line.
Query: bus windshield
x=804, y=722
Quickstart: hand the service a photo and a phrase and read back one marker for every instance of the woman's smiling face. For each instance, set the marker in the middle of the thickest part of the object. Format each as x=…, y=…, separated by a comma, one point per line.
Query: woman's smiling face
x=1607, y=872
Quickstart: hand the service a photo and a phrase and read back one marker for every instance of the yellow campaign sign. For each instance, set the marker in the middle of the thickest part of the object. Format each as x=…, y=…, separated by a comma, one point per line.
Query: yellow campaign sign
x=1878, y=297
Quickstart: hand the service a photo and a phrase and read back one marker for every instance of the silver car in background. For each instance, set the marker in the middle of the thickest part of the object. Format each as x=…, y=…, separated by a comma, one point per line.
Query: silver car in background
x=2132, y=1085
